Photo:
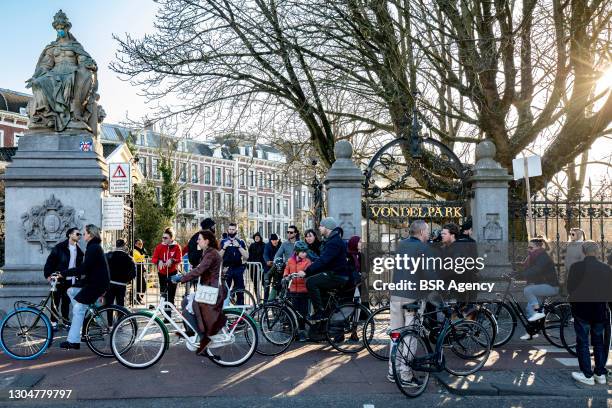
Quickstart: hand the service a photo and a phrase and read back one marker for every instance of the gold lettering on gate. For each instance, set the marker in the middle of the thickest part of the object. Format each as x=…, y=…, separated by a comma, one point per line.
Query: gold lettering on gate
x=416, y=212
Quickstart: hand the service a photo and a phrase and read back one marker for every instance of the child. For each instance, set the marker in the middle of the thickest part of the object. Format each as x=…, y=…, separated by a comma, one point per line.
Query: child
x=298, y=293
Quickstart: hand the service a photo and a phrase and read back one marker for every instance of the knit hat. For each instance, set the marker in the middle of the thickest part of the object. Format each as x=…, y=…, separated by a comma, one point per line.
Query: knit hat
x=207, y=224
x=273, y=237
x=329, y=223
x=467, y=225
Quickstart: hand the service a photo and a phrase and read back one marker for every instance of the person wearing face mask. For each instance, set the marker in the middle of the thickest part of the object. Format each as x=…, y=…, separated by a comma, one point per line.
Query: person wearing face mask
x=234, y=253
x=65, y=255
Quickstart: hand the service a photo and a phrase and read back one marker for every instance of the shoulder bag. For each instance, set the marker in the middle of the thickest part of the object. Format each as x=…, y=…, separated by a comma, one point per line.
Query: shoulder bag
x=208, y=294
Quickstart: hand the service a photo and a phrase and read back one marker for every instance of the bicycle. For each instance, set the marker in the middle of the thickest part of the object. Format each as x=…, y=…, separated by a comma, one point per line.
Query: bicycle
x=26, y=332
x=279, y=319
x=568, y=335
x=377, y=328
x=467, y=339
x=140, y=339
x=508, y=313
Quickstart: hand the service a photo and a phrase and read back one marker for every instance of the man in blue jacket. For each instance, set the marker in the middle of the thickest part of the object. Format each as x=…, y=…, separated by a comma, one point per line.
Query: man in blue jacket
x=330, y=270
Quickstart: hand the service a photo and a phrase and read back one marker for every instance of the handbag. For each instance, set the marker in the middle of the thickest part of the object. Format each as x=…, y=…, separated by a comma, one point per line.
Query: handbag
x=208, y=294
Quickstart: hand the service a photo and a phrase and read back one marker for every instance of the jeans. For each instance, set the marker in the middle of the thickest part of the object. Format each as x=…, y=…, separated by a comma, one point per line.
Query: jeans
x=115, y=295
x=582, y=328
x=322, y=281
x=170, y=287
x=300, y=302
x=235, y=275
x=78, y=315
x=61, y=302
x=401, y=318
x=533, y=291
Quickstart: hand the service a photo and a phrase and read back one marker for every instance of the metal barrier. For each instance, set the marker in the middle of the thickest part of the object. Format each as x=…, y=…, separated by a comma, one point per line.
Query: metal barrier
x=253, y=280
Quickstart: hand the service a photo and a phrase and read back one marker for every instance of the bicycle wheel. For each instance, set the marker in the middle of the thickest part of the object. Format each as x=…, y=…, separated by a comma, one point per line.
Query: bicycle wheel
x=139, y=340
x=376, y=333
x=98, y=328
x=552, y=323
x=249, y=299
x=344, y=326
x=241, y=341
x=506, y=322
x=568, y=334
x=470, y=344
x=276, y=329
x=486, y=319
x=25, y=333
x=409, y=353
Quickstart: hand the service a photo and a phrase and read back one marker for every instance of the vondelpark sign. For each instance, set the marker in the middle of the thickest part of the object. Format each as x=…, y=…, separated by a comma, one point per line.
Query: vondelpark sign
x=416, y=211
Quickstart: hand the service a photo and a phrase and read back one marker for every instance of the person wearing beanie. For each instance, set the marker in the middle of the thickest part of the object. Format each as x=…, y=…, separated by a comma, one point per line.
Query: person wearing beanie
x=194, y=254
x=329, y=271
x=270, y=251
x=256, y=251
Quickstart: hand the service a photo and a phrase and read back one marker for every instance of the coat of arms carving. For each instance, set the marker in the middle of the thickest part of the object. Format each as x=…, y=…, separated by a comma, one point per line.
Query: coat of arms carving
x=46, y=224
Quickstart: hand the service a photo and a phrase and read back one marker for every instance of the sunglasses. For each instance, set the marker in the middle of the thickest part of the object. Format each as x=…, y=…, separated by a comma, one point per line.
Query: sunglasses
x=78, y=234
x=290, y=232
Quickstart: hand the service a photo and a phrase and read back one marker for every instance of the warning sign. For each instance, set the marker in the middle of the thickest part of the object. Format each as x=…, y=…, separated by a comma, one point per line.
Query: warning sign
x=120, y=178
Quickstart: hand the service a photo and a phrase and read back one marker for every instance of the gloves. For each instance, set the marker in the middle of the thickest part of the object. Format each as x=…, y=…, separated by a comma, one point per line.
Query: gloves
x=176, y=278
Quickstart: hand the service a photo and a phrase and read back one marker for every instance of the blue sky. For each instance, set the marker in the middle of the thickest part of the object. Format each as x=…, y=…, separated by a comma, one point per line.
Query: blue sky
x=27, y=29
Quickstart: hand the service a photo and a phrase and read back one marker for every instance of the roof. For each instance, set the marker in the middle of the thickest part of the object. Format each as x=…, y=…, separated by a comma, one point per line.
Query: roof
x=12, y=101
x=108, y=148
x=7, y=153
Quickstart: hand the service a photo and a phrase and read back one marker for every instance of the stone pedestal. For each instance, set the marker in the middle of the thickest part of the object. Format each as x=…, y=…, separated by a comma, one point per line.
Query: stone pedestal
x=56, y=181
x=343, y=185
x=490, y=209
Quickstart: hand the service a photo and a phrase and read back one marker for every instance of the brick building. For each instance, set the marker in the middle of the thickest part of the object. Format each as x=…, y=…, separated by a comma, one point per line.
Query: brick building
x=13, y=117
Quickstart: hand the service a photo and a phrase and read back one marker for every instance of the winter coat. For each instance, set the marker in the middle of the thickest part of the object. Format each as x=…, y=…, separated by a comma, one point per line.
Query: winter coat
x=59, y=259
x=256, y=251
x=573, y=254
x=122, y=267
x=210, y=317
x=333, y=257
x=93, y=274
x=589, y=285
x=139, y=255
x=269, y=254
x=294, y=265
x=164, y=252
x=540, y=269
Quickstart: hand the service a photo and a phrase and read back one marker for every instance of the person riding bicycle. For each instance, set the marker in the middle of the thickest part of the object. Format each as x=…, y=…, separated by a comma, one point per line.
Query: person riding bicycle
x=94, y=282
x=210, y=318
x=330, y=270
x=275, y=276
x=540, y=275
x=298, y=292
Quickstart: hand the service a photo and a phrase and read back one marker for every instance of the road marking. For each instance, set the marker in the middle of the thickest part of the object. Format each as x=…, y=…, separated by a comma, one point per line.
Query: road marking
x=551, y=349
x=368, y=405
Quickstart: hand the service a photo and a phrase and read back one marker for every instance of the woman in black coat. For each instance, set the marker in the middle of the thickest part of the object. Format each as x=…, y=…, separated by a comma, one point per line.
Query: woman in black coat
x=256, y=251
x=94, y=280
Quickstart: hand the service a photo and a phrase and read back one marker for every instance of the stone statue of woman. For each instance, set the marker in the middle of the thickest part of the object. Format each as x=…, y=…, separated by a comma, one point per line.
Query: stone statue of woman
x=64, y=84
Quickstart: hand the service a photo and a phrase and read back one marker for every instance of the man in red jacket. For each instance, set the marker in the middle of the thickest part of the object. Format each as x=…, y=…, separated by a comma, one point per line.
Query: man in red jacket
x=167, y=256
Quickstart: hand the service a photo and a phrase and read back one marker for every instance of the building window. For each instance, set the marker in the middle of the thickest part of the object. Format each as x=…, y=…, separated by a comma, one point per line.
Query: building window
x=218, y=201
x=242, y=178
x=195, y=199
x=206, y=201
x=269, y=205
x=260, y=205
x=228, y=177
x=206, y=175
x=285, y=226
x=142, y=163
x=251, y=178
x=270, y=180
x=140, y=139
x=278, y=206
x=183, y=172
x=16, y=139
x=260, y=228
x=218, y=176
x=286, y=208
x=260, y=177
x=242, y=199
x=303, y=199
x=155, y=168
x=158, y=195
x=251, y=204
x=194, y=174
x=229, y=202
x=183, y=199
x=270, y=230
x=1, y=138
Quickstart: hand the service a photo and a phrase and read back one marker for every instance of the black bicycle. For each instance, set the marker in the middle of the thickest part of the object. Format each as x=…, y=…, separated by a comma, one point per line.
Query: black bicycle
x=568, y=334
x=342, y=326
x=26, y=332
x=377, y=328
x=508, y=312
x=461, y=347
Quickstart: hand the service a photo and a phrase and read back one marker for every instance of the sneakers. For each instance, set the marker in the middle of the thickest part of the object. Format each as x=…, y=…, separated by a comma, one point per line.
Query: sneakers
x=67, y=345
x=528, y=336
x=413, y=382
x=581, y=378
x=600, y=379
x=537, y=316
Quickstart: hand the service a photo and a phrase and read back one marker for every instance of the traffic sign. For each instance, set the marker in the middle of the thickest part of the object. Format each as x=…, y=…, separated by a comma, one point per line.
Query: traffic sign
x=112, y=213
x=120, y=178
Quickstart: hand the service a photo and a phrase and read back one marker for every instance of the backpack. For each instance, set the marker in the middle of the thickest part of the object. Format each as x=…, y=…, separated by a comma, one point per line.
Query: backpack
x=194, y=254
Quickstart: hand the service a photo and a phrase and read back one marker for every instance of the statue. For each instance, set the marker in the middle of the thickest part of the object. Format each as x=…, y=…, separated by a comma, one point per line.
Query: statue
x=64, y=84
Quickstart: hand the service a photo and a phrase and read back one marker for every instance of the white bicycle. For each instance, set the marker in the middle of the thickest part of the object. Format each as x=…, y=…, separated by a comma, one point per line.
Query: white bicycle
x=140, y=339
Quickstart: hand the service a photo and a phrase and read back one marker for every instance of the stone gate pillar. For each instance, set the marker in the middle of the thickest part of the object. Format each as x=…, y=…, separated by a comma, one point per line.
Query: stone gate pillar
x=489, y=208
x=343, y=185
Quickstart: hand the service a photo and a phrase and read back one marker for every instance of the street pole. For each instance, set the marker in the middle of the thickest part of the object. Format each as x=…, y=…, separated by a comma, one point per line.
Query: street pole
x=531, y=226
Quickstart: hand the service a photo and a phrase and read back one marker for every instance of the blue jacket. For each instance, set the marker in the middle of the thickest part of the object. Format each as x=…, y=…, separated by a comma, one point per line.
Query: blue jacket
x=333, y=257
x=269, y=253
